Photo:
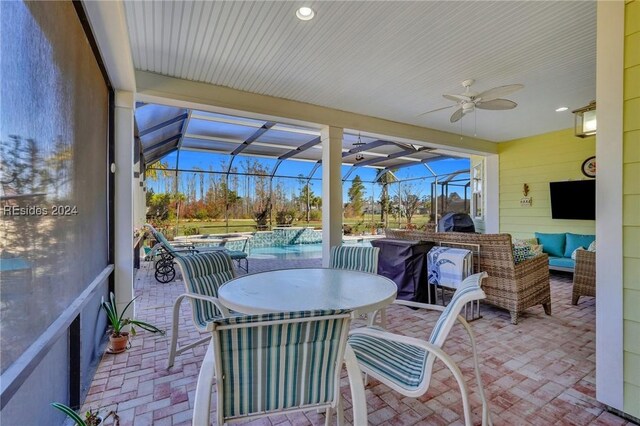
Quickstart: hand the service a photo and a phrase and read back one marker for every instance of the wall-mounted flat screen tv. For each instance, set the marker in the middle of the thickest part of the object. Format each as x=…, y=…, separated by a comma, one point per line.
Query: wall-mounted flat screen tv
x=573, y=199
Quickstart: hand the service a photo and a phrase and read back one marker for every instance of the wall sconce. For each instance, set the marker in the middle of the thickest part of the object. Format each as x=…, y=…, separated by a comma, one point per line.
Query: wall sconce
x=585, y=120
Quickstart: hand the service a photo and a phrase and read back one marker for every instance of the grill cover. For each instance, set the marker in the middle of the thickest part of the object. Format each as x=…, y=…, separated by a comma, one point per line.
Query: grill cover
x=456, y=222
x=405, y=263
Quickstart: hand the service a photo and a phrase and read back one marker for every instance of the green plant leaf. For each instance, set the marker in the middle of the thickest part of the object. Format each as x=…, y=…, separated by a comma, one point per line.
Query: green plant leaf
x=146, y=326
x=118, y=321
x=126, y=307
x=112, y=314
x=70, y=413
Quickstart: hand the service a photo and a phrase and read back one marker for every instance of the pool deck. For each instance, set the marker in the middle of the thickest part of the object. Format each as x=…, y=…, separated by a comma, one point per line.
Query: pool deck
x=539, y=372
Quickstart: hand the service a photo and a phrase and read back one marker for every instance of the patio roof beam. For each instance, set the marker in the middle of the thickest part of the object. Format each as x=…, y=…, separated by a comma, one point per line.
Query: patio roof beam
x=275, y=168
x=401, y=166
x=237, y=142
x=315, y=167
x=153, y=159
x=266, y=126
x=346, y=176
x=183, y=129
x=240, y=122
x=163, y=124
x=300, y=149
x=161, y=143
x=430, y=169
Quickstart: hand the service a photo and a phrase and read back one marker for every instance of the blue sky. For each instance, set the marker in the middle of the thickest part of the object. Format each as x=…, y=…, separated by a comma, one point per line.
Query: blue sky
x=192, y=160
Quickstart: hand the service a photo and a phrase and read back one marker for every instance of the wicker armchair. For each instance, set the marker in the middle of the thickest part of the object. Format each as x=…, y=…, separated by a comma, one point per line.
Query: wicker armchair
x=584, y=275
x=509, y=286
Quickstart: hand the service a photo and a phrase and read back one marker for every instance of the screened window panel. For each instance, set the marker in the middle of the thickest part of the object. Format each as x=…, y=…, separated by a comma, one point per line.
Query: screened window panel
x=53, y=153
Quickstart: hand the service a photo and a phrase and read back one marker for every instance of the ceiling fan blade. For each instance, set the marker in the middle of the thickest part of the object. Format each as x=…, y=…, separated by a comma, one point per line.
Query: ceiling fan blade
x=434, y=110
x=498, y=92
x=456, y=116
x=457, y=98
x=496, y=104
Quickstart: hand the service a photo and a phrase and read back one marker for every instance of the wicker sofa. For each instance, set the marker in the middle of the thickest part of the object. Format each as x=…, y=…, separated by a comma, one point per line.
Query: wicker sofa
x=509, y=286
x=584, y=275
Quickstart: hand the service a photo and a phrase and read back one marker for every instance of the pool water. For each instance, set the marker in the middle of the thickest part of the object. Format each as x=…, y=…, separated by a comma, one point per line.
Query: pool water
x=298, y=251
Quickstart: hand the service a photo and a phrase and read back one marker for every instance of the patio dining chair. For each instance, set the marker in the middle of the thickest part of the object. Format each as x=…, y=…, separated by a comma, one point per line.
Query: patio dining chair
x=203, y=274
x=356, y=258
x=278, y=363
x=405, y=364
x=242, y=254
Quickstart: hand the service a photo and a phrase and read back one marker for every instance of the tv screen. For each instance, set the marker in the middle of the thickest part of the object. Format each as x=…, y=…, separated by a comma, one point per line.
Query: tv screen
x=573, y=199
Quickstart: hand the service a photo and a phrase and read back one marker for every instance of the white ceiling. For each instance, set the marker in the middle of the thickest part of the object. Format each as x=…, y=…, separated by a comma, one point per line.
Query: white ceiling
x=392, y=60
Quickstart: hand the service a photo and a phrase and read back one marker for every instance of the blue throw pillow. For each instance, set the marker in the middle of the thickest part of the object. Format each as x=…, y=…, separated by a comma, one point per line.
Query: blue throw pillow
x=576, y=240
x=552, y=244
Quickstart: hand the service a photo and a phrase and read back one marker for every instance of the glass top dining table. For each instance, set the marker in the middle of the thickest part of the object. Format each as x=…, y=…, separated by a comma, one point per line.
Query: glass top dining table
x=305, y=289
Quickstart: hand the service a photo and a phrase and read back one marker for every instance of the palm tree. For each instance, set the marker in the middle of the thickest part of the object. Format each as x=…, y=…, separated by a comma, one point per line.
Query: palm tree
x=158, y=170
x=385, y=180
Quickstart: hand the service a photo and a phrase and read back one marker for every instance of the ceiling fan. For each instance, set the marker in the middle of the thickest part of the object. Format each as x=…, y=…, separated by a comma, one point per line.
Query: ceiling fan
x=489, y=99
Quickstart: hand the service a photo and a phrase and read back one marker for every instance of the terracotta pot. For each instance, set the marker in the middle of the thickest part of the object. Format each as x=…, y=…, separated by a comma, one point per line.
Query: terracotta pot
x=118, y=344
x=95, y=421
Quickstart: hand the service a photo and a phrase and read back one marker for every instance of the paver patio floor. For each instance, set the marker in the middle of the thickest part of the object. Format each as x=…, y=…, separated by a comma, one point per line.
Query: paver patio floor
x=540, y=372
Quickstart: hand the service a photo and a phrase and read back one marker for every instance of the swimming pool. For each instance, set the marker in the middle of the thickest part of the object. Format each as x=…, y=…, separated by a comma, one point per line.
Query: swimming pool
x=297, y=251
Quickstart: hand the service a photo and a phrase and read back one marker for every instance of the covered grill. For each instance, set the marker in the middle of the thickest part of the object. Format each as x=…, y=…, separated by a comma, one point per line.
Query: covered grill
x=456, y=222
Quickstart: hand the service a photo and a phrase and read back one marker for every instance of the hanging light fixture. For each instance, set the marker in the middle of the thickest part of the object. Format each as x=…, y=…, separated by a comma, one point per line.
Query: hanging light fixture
x=585, y=120
x=359, y=144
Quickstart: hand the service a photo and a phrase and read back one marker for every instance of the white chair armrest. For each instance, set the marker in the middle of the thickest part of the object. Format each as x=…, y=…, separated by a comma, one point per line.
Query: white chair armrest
x=428, y=306
x=223, y=309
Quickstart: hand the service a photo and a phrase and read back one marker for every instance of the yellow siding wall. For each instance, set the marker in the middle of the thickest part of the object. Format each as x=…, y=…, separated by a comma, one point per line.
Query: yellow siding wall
x=538, y=160
x=631, y=209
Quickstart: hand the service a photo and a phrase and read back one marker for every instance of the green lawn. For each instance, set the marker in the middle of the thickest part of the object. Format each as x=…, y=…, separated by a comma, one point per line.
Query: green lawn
x=249, y=225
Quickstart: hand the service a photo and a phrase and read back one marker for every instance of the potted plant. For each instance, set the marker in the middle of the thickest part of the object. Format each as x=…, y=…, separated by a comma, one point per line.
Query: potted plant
x=119, y=339
x=91, y=417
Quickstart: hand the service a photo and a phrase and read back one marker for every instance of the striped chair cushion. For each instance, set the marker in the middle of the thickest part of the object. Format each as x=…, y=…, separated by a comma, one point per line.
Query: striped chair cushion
x=363, y=259
x=400, y=363
x=204, y=274
x=468, y=291
x=271, y=367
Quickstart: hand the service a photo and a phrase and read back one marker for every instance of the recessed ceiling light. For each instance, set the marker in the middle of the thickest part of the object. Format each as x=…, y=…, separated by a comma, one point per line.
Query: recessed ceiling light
x=561, y=109
x=305, y=13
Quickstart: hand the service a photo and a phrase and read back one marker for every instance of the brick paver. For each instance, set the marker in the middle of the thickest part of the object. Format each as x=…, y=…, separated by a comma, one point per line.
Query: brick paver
x=539, y=372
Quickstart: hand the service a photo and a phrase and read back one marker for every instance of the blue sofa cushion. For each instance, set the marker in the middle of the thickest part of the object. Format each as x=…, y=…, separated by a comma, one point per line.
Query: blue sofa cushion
x=576, y=240
x=562, y=262
x=552, y=244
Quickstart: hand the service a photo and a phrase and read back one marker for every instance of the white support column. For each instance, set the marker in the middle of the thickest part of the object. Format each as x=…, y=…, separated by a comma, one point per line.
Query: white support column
x=331, y=190
x=609, y=186
x=124, y=220
x=492, y=194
